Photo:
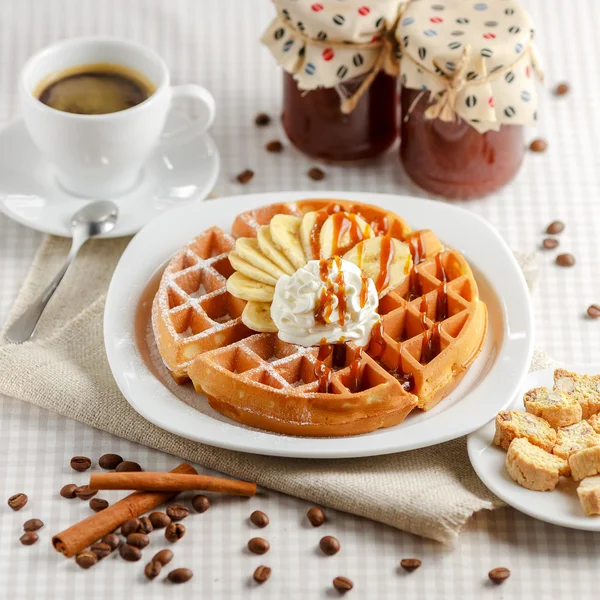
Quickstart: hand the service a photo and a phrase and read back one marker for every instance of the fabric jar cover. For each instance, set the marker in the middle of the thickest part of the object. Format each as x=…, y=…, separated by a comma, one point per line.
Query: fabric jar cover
x=324, y=43
x=477, y=59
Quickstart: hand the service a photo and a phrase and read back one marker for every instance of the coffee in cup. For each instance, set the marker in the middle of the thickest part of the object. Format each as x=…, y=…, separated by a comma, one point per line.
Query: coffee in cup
x=94, y=89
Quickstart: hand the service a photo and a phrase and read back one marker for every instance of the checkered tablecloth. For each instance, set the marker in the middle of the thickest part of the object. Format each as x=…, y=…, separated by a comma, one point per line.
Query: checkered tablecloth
x=215, y=42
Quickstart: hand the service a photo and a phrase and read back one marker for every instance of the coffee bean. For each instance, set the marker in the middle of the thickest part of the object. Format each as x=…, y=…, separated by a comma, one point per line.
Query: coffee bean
x=68, y=491
x=130, y=526
x=555, y=227
x=565, y=260
x=180, y=575
x=258, y=545
x=593, y=311
x=499, y=575
x=112, y=539
x=110, y=461
x=174, y=532
x=274, y=146
x=139, y=540
x=342, y=584
x=410, y=564
x=101, y=550
x=316, y=174
x=561, y=89
x=80, y=463
x=329, y=545
x=146, y=525
x=164, y=557
x=29, y=538
x=18, y=501
x=159, y=520
x=83, y=492
x=153, y=569
x=550, y=243
x=98, y=504
x=261, y=574
x=200, y=503
x=259, y=518
x=86, y=559
x=262, y=119
x=32, y=525
x=538, y=145
x=177, y=512
x=128, y=466
x=245, y=176
x=130, y=553
x=316, y=516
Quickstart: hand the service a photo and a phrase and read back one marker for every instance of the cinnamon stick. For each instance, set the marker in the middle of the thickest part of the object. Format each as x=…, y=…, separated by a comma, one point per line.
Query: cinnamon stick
x=169, y=482
x=86, y=532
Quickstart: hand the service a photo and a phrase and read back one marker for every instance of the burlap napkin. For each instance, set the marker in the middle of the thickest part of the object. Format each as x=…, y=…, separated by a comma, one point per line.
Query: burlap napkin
x=430, y=492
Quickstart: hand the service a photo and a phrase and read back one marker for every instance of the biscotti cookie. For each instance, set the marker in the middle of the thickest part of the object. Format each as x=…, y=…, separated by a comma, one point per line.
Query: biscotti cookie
x=556, y=407
x=589, y=495
x=594, y=421
x=518, y=424
x=585, y=463
x=532, y=467
x=573, y=438
x=584, y=388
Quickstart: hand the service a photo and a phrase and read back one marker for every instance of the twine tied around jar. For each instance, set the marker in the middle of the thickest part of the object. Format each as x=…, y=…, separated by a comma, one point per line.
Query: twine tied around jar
x=444, y=104
x=387, y=60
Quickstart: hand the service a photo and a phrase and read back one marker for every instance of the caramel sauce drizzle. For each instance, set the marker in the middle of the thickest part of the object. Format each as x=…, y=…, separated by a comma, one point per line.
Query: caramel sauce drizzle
x=364, y=291
x=416, y=248
x=385, y=262
x=345, y=224
x=432, y=342
x=378, y=344
x=380, y=225
x=323, y=373
x=414, y=285
x=442, y=298
x=325, y=351
x=325, y=306
x=423, y=311
x=407, y=380
x=355, y=371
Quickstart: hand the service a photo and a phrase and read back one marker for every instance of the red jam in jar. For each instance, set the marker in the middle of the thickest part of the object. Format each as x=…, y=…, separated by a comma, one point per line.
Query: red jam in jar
x=315, y=124
x=452, y=159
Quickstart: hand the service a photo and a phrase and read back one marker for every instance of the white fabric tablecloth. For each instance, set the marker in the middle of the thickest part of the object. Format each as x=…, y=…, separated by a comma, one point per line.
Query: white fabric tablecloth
x=215, y=42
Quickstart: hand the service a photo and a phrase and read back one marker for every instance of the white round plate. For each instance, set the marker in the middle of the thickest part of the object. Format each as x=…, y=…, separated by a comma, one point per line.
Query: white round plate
x=561, y=506
x=488, y=387
x=173, y=175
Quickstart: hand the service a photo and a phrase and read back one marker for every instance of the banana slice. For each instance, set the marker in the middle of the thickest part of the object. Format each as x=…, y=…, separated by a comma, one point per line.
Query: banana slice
x=387, y=261
x=244, y=267
x=249, y=250
x=285, y=234
x=257, y=316
x=312, y=222
x=243, y=287
x=342, y=231
x=268, y=248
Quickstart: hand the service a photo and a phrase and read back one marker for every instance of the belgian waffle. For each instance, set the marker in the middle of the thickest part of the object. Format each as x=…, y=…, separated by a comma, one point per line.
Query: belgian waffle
x=192, y=311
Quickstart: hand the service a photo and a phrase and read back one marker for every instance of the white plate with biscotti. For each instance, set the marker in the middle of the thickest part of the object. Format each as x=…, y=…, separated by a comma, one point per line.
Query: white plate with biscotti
x=489, y=385
x=560, y=506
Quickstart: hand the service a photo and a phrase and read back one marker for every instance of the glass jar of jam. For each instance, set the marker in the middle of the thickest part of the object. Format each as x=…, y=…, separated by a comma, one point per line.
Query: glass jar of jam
x=340, y=84
x=468, y=88
x=316, y=125
x=451, y=158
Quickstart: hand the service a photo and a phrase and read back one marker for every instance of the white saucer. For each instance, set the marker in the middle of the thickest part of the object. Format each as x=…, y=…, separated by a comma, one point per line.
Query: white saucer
x=488, y=387
x=172, y=176
x=561, y=506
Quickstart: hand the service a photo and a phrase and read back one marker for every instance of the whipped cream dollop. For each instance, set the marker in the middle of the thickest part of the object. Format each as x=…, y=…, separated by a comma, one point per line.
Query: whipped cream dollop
x=325, y=301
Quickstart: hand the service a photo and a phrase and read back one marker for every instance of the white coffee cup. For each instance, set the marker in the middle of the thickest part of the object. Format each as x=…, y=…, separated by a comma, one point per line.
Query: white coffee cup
x=102, y=155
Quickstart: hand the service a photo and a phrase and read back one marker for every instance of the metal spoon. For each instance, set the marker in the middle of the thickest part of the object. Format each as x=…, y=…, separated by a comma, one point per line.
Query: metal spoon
x=90, y=221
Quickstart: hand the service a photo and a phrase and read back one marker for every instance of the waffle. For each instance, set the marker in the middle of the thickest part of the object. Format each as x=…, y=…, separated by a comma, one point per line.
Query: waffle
x=433, y=327
x=192, y=311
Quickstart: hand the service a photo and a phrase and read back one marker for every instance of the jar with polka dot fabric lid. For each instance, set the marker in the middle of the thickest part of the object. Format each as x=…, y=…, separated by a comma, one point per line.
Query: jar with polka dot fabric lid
x=340, y=86
x=468, y=86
